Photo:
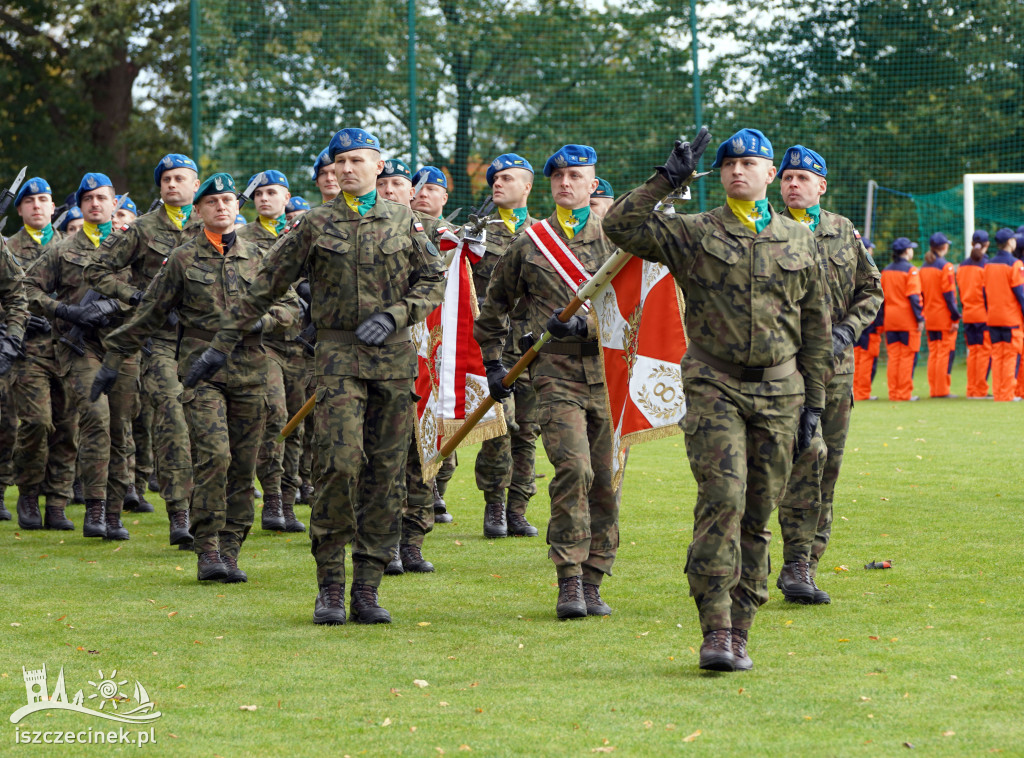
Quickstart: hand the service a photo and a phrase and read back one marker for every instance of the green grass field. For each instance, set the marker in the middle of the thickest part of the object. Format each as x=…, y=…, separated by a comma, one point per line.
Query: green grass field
x=927, y=654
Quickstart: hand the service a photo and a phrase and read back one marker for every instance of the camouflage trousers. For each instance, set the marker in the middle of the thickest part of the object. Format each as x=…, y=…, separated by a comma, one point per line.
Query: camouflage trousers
x=362, y=439
x=226, y=424
x=507, y=462
x=105, y=443
x=805, y=513
x=142, y=433
x=740, y=449
x=583, y=533
x=170, y=432
x=306, y=462
x=47, y=445
x=8, y=428
x=418, y=508
x=277, y=465
x=445, y=473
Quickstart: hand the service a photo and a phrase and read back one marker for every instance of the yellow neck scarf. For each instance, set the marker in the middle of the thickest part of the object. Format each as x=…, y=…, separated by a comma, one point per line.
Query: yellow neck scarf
x=513, y=218
x=178, y=216
x=270, y=224
x=97, y=232
x=753, y=214
x=572, y=221
x=36, y=234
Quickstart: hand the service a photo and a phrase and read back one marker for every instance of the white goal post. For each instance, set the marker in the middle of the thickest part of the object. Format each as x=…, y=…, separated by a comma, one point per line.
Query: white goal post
x=969, y=181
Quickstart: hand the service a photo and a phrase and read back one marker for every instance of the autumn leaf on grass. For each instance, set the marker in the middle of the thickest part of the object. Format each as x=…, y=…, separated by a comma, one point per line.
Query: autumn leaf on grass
x=605, y=749
x=421, y=683
x=248, y=707
x=386, y=722
x=692, y=737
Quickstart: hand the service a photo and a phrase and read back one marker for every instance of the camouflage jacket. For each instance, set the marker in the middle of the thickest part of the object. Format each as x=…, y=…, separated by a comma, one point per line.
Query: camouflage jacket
x=61, y=270
x=752, y=301
x=356, y=266
x=203, y=285
x=142, y=248
x=12, y=294
x=25, y=250
x=255, y=233
x=854, y=284
x=497, y=242
x=524, y=282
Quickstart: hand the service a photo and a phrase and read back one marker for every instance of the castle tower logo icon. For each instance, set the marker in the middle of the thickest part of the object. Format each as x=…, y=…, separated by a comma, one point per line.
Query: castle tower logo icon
x=107, y=701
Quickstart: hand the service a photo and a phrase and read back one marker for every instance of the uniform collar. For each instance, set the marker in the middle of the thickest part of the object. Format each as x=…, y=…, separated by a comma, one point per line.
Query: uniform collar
x=775, y=231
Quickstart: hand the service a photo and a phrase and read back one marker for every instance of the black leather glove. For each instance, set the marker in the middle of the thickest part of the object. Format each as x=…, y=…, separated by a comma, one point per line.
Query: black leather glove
x=576, y=326
x=842, y=337
x=10, y=350
x=103, y=383
x=208, y=364
x=809, y=419
x=37, y=325
x=684, y=158
x=374, y=330
x=84, y=316
x=496, y=371
x=304, y=291
x=257, y=328
x=136, y=298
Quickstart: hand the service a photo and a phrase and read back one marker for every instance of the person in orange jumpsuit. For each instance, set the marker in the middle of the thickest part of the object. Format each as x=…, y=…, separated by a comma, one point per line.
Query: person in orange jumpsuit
x=904, y=318
x=1018, y=253
x=970, y=278
x=866, y=349
x=1004, y=294
x=941, y=316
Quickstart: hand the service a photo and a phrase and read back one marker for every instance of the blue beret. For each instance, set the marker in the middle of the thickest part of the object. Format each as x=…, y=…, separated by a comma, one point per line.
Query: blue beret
x=938, y=240
x=902, y=243
x=218, y=184
x=270, y=176
x=240, y=220
x=322, y=160
x=434, y=176
x=504, y=161
x=352, y=139
x=173, y=160
x=296, y=203
x=73, y=212
x=744, y=142
x=604, y=189
x=1004, y=235
x=868, y=244
x=980, y=235
x=395, y=167
x=90, y=182
x=804, y=159
x=571, y=155
x=128, y=204
x=34, y=186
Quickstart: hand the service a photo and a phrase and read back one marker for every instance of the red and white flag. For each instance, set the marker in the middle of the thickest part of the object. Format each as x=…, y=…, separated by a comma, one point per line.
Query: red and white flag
x=452, y=381
x=640, y=319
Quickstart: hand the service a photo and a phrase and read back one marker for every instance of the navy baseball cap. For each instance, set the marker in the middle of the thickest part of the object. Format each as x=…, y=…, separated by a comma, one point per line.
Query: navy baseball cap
x=902, y=243
x=938, y=239
x=980, y=235
x=1004, y=235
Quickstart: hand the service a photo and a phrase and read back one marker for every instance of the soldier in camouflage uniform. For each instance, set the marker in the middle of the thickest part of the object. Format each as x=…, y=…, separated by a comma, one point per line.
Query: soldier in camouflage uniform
x=372, y=272
x=506, y=463
x=855, y=294
x=204, y=279
x=572, y=407
x=759, y=347
x=45, y=453
x=14, y=314
x=142, y=249
x=277, y=465
x=324, y=177
x=105, y=443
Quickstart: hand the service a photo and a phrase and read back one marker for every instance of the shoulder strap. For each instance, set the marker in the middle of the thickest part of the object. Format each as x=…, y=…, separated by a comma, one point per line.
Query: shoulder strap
x=559, y=255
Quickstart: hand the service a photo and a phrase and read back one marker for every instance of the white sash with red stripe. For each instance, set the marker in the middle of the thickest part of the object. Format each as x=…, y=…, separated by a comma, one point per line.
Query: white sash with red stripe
x=559, y=256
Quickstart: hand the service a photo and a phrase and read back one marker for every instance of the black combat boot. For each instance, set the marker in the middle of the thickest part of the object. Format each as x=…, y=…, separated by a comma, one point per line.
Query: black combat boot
x=518, y=526
x=291, y=524
x=571, y=604
x=716, y=651
x=55, y=518
x=820, y=596
x=5, y=515
x=795, y=582
x=272, y=519
x=28, y=509
x=94, y=524
x=494, y=519
x=412, y=559
x=179, y=527
x=441, y=514
x=209, y=566
x=595, y=605
x=131, y=500
x=77, y=493
x=306, y=494
x=395, y=567
x=364, y=606
x=741, y=661
x=153, y=484
x=235, y=574
x=115, y=529
x=330, y=605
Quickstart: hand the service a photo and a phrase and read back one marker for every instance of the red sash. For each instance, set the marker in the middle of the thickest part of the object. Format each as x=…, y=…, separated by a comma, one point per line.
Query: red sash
x=559, y=256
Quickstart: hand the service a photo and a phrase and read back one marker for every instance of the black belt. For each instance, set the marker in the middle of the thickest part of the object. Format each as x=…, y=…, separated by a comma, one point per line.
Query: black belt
x=572, y=348
x=349, y=338
x=249, y=340
x=743, y=373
